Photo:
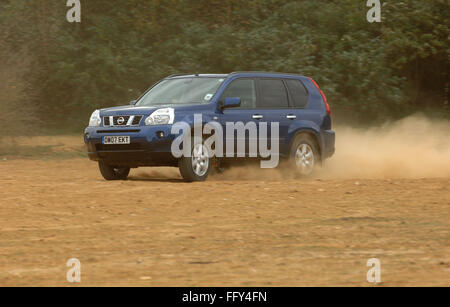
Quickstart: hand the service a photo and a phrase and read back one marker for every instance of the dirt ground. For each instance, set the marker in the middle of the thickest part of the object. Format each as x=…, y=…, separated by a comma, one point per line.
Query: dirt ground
x=233, y=230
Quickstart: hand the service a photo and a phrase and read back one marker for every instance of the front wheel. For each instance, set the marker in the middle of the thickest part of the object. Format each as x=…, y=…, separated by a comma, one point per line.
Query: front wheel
x=110, y=172
x=304, y=155
x=196, y=167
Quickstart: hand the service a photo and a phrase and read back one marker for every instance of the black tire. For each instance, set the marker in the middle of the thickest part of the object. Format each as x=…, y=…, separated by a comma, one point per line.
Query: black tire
x=305, y=155
x=185, y=164
x=110, y=172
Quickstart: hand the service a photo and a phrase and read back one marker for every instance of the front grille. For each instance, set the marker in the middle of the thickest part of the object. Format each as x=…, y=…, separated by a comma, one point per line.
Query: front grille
x=136, y=120
x=119, y=131
x=122, y=121
x=118, y=147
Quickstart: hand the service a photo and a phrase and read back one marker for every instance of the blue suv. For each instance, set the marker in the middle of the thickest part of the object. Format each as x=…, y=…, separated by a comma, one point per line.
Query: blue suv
x=143, y=134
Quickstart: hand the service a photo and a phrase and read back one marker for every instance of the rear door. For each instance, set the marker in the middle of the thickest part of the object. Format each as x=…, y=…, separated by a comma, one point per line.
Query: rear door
x=273, y=107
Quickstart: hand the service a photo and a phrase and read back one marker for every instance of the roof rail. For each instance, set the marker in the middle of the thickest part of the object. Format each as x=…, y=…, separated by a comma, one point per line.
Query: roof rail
x=239, y=72
x=177, y=75
x=262, y=72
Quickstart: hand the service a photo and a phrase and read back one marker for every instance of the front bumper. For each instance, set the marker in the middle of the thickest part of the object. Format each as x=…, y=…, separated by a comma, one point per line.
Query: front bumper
x=150, y=146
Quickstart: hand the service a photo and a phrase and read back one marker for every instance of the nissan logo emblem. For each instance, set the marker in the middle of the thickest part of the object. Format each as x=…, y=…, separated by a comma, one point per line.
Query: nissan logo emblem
x=120, y=120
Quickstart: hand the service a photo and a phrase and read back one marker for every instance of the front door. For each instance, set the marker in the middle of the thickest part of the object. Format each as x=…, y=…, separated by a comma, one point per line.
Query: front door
x=241, y=117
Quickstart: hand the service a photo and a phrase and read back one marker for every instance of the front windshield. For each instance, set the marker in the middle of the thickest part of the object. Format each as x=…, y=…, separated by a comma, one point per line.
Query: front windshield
x=182, y=91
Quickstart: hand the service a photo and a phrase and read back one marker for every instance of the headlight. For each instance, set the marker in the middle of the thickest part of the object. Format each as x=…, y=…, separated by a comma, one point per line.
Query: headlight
x=161, y=117
x=95, y=120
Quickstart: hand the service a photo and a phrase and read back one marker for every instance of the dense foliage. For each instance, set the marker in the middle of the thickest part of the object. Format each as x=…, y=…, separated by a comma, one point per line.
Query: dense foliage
x=369, y=71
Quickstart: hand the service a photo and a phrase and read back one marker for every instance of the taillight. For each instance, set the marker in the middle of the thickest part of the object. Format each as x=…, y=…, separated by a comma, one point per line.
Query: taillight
x=327, y=106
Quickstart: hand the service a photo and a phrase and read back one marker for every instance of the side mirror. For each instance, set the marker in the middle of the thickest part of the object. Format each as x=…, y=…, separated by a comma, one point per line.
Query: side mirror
x=133, y=102
x=231, y=102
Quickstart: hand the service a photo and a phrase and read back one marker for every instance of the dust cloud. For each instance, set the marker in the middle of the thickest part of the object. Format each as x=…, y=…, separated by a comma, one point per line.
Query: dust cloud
x=414, y=147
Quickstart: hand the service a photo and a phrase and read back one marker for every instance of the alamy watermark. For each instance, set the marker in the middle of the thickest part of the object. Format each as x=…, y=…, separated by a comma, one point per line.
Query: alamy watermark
x=74, y=13
x=74, y=273
x=374, y=273
x=257, y=140
x=374, y=14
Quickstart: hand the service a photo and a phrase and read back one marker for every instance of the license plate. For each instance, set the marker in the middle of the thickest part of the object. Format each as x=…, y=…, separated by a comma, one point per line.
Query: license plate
x=112, y=140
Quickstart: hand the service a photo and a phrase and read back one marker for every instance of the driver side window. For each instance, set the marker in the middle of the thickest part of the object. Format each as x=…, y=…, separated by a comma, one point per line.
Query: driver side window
x=244, y=89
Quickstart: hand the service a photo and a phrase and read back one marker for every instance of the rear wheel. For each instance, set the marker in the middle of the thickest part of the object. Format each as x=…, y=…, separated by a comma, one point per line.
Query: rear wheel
x=304, y=155
x=196, y=167
x=110, y=172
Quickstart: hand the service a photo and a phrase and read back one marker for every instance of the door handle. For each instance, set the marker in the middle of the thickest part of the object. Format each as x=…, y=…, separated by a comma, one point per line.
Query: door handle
x=291, y=116
x=258, y=116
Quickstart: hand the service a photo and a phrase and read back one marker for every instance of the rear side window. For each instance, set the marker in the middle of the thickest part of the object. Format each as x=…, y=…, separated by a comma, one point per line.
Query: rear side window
x=273, y=94
x=298, y=93
x=244, y=89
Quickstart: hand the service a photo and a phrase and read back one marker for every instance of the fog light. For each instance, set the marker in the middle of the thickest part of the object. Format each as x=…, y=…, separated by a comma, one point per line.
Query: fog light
x=160, y=134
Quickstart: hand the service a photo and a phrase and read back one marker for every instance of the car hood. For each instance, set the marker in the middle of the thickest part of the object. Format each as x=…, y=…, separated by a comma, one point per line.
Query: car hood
x=136, y=110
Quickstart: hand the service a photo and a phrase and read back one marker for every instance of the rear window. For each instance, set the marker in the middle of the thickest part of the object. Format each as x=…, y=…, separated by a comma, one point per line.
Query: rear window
x=273, y=94
x=298, y=93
